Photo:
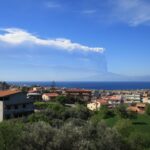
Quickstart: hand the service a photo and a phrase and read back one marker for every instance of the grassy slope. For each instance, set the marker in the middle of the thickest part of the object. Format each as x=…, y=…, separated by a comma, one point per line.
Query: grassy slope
x=141, y=124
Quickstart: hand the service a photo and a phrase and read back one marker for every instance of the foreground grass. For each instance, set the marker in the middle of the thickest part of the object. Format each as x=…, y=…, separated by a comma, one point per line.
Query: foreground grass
x=140, y=124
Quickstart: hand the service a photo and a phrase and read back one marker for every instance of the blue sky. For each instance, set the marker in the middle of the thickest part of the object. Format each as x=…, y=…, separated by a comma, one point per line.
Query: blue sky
x=74, y=40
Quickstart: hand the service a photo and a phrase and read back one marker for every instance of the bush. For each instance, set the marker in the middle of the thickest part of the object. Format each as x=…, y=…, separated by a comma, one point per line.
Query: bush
x=38, y=117
x=10, y=134
x=61, y=99
x=38, y=135
x=148, y=109
x=49, y=105
x=106, y=113
x=132, y=115
x=121, y=111
x=124, y=127
x=139, y=141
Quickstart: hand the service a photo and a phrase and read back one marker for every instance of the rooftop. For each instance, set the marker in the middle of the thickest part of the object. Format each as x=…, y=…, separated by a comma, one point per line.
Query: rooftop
x=8, y=92
x=51, y=94
x=78, y=91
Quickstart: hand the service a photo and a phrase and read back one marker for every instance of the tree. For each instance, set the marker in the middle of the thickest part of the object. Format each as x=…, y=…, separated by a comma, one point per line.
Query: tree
x=67, y=137
x=99, y=136
x=105, y=112
x=132, y=115
x=61, y=99
x=37, y=136
x=121, y=111
x=38, y=117
x=25, y=89
x=148, y=109
x=10, y=134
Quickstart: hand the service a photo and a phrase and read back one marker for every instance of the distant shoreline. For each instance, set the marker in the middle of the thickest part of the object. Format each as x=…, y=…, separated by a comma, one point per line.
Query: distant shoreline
x=97, y=85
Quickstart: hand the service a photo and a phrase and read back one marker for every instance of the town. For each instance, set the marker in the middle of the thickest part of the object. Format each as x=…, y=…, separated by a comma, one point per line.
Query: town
x=16, y=101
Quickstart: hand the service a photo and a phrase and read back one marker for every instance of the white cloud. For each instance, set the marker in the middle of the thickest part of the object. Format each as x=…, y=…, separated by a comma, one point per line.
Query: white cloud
x=15, y=36
x=133, y=12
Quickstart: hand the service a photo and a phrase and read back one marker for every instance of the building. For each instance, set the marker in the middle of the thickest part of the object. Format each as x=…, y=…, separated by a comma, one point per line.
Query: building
x=132, y=98
x=97, y=104
x=139, y=108
x=115, y=100
x=146, y=100
x=84, y=95
x=34, y=95
x=13, y=103
x=49, y=96
x=37, y=89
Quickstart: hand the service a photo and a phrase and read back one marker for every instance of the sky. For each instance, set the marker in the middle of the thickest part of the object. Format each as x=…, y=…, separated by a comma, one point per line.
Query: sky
x=74, y=40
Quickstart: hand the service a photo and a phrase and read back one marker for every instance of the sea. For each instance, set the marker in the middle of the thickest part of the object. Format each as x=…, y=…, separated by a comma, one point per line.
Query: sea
x=89, y=85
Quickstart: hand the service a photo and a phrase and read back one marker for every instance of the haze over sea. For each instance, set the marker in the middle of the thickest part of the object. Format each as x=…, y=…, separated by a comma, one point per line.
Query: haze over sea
x=90, y=85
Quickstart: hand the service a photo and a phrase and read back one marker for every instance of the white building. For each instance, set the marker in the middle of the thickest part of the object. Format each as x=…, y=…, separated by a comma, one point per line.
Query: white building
x=146, y=100
x=115, y=100
x=132, y=98
x=49, y=96
x=13, y=103
x=97, y=104
x=35, y=96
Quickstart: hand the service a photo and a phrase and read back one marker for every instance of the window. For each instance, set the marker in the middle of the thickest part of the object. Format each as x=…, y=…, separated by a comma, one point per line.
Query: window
x=8, y=107
x=6, y=98
x=24, y=105
x=1, y=99
x=16, y=106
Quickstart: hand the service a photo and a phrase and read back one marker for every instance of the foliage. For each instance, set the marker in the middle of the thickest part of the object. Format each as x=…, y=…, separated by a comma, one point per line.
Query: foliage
x=49, y=105
x=38, y=117
x=36, y=136
x=106, y=112
x=148, y=109
x=25, y=89
x=61, y=99
x=139, y=141
x=132, y=115
x=76, y=128
x=124, y=126
x=10, y=134
x=121, y=111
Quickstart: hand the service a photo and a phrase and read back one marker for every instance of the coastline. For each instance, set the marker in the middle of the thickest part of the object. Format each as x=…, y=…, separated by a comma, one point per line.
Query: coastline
x=93, y=85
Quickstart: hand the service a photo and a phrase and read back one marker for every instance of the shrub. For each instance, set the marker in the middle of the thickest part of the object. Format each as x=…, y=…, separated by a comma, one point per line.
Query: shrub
x=61, y=99
x=139, y=141
x=148, y=109
x=121, y=111
x=106, y=113
x=10, y=134
x=124, y=127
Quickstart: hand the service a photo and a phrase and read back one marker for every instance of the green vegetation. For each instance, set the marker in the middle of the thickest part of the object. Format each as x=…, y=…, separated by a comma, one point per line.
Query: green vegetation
x=148, y=110
x=58, y=127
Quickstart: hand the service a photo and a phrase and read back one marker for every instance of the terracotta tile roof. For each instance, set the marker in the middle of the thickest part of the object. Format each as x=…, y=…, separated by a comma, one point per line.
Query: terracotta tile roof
x=32, y=91
x=141, y=105
x=103, y=101
x=51, y=94
x=115, y=97
x=132, y=108
x=8, y=92
x=78, y=91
